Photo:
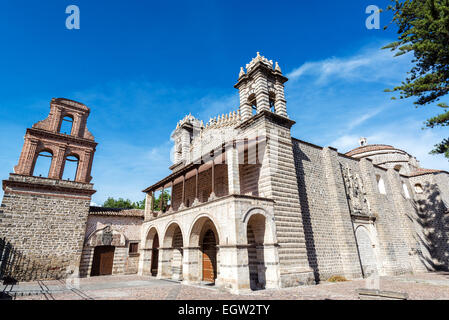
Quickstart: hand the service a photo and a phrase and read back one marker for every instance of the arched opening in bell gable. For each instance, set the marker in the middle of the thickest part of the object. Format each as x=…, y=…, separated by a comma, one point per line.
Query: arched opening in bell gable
x=66, y=125
x=70, y=168
x=42, y=164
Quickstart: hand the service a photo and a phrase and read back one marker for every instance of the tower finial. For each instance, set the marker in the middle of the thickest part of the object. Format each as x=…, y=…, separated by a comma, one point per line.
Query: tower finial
x=242, y=72
x=277, y=68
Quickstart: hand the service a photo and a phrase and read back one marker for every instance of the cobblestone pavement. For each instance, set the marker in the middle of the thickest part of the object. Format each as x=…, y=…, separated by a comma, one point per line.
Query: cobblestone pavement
x=420, y=286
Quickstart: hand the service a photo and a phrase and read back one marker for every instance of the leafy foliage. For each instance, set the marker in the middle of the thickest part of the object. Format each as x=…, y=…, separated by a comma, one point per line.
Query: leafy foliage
x=158, y=201
x=423, y=28
x=123, y=204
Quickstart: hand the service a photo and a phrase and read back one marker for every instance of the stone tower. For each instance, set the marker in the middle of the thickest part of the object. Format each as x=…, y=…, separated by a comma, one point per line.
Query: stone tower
x=264, y=114
x=44, y=218
x=261, y=88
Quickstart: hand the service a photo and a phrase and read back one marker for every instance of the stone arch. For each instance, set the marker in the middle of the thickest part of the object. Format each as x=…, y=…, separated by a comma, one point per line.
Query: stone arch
x=270, y=227
x=172, y=246
x=365, y=245
x=40, y=156
x=106, y=237
x=151, y=259
x=70, y=166
x=204, y=237
x=66, y=122
x=195, y=229
x=260, y=236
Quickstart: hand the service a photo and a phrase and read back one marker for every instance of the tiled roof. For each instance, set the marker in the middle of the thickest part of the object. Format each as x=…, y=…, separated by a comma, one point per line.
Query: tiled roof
x=101, y=211
x=368, y=148
x=422, y=171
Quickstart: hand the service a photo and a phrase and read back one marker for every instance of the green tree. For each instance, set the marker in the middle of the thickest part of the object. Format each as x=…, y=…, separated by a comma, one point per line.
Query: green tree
x=123, y=204
x=423, y=29
x=157, y=201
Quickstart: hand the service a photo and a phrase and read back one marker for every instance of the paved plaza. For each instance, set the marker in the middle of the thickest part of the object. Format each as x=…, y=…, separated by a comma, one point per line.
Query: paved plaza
x=434, y=286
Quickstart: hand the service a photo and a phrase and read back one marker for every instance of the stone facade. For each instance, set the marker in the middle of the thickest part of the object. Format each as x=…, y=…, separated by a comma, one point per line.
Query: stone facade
x=285, y=212
x=125, y=226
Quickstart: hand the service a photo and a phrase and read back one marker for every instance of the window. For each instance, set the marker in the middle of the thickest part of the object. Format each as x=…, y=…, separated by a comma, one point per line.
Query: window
x=419, y=188
x=43, y=164
x=380, y=184
x=70, y=168
x=406, y=193
x=134, y=248
x=66, y=125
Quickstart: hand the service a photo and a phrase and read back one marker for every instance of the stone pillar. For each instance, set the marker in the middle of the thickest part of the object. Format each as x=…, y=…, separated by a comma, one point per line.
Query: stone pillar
x=270, y=255
x=27, y=158
x=145, y=261
x=262, y=98
x=149, y=201
x=57, y=164
x=245, y=107
x=280, y=103
x=76, y=125
x=234, y=270
x=190, y=265
x=57, y=112
x=164, y=267
x=233, y=170
x=349, y=265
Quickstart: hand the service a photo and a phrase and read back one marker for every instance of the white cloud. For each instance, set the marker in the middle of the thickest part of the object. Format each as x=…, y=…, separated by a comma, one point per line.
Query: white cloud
x=370, y=65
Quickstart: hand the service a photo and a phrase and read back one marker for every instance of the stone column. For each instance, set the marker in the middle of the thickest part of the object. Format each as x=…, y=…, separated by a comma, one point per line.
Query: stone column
x=190, y=265
x=76, y=125
x=269, y=252
x=212, y=194
x=234, y=270
x=245, y=107
x=280, y=104
x=262, y=98
x=149, y=201
x=233, y=170
x=27, y=158
x=164, y=267
x=57, y=164
x=145, y=261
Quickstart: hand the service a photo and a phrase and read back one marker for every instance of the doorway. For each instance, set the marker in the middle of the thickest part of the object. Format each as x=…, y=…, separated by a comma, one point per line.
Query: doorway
x=103, y=261
x=155, y=256
x=209, y=252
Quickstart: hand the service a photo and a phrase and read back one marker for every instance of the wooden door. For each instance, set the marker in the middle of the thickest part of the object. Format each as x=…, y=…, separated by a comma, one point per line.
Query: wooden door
x=209, y=250
x=103, y=261
x=155, y=256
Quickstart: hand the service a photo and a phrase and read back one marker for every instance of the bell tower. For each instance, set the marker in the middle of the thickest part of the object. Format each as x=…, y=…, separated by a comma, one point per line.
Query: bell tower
x=261, y=87
x=44, y=217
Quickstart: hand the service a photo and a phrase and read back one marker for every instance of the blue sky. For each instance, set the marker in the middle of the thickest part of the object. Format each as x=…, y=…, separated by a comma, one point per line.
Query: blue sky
x=142, y=65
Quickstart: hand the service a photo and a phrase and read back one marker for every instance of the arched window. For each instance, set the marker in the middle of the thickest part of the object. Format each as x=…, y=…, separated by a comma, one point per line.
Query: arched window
x=66, y=125
x=398, y=168
x=70, y=168
x=42, y=165
x=252, y=101
x=406, y=193
x=380, y=184
x=419, y=188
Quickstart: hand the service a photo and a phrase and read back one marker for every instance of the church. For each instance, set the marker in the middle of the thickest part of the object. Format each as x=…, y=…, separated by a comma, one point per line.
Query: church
x=250, y=206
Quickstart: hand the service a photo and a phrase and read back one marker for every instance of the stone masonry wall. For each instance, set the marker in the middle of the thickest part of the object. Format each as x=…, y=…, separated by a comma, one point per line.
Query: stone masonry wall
x=46, y=227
